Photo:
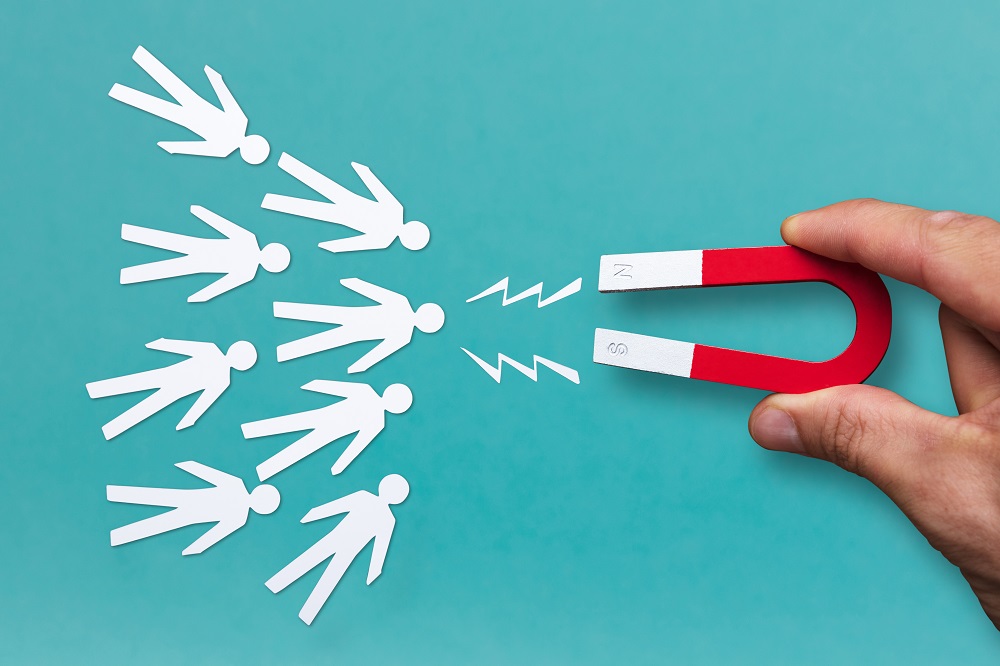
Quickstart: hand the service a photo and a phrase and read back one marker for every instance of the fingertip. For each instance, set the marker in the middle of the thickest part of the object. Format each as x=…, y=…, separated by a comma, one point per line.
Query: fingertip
x=774, y=428
x=790, y=228
x=760, y=407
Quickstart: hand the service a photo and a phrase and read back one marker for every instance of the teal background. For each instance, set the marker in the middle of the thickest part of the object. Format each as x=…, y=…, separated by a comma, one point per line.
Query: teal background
x=626, y=520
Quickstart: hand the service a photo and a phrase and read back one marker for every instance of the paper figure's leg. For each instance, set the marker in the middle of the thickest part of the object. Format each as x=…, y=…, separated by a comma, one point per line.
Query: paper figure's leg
x=314, y=210
x=314, y=344
x=279, y=425
x=315, y=180
x=293, y=453
x=159, y=270
x=149, y=104
x=137, y=414
x=163, y=240
x=301, y=565
x=140, y=381
x=324, y=588
x=172, y=497
x=171, y=520
x=167, y=79
x=322, y=314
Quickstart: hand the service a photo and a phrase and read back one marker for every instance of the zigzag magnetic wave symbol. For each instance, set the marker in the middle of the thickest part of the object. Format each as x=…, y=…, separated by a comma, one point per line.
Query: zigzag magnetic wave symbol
x=530, y=373
x=568, y=290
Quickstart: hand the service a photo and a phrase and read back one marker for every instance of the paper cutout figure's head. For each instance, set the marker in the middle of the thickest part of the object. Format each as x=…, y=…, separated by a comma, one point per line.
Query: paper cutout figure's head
x=397, y=398
x=393, y=489
x=430, y=317
x=241, y=355
x=254, y=149
x=414, y=235
x=275, y=257
x=264, y=499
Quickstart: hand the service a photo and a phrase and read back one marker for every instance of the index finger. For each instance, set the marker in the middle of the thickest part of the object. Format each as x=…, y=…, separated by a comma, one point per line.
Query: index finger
x=954, y=256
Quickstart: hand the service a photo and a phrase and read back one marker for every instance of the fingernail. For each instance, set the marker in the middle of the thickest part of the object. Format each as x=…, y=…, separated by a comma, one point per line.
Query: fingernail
x=775, y=430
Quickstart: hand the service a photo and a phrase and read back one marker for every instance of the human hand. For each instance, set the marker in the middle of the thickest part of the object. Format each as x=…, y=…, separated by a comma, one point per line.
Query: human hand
x=943, y=472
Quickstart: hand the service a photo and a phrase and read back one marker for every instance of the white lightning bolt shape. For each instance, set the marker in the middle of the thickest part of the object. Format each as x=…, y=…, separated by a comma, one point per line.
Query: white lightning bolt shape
x=568, y=290
x=531, y=373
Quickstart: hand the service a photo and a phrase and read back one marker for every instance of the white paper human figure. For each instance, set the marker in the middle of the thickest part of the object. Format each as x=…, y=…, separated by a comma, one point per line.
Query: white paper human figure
x=237, y=256
x=368, y=517
x=391, y=321
x=226, y=503
x=380, y=221
x=206, y=370
x=361, y=411
x=222, y=130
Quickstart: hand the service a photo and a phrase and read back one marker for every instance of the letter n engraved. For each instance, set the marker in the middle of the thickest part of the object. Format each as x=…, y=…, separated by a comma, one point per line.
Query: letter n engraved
x=622, y=271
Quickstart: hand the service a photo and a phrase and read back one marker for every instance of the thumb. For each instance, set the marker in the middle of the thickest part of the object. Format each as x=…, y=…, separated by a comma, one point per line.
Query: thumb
x=869, y=431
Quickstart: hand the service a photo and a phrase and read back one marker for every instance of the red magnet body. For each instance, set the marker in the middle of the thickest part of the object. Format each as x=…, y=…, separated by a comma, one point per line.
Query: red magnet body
x=746, y=266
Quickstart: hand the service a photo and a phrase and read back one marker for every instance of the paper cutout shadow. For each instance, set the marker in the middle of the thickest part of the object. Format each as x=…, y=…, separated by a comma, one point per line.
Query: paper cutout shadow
x=206, y=370
x=391, y=322
x=361, y=411
x=226, y=503
x=369, y=517
x=237, y=256
x=380, y=221
x=223, y=130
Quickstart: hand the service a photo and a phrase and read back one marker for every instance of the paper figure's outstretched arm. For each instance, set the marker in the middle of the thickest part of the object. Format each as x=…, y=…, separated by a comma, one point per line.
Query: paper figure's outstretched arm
x=365, y=241
x=378, y=353
x=227, y=282
x=357, y=445
x=337, y=506
x=369, y=290
x=375, y=186
x=340, y=389
x=379, y=551
x=182, y=347
x=200, y=148
x=222, y=225
x=219, y=531
x=226, y=98
x=279, y=425
x=201, y=405
x=207, y=474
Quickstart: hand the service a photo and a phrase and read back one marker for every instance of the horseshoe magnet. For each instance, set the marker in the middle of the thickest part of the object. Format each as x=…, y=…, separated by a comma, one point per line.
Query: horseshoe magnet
x=745, y=266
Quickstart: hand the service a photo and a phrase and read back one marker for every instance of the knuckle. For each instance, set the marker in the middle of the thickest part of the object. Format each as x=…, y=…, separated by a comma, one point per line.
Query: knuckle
x=971, y=434
x=945, y=231
x=844, y=433
x=948, y=237
x=862, y=202
x=973, y=231
x=860, y=208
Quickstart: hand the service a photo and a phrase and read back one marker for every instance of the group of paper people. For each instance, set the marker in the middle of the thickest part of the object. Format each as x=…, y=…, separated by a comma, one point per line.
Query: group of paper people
x=206, y=370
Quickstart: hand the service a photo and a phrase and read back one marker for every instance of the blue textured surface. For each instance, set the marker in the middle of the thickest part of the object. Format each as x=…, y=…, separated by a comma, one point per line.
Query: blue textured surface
x=626, y=520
